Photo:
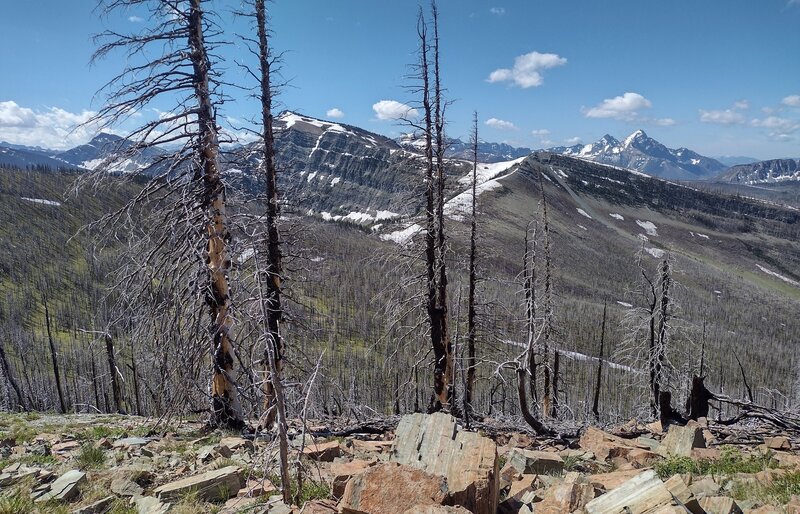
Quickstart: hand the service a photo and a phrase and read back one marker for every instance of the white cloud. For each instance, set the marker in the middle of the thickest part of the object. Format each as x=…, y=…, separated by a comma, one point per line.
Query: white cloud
x=546, y=143
x=52, y=128
x=625, y=107
x=335, y=113
x=573, y=141
x=527, y=69
x=726, y=117
x=500, y=124
x=135, y=19
x=540, y=132
x=498, y=11
x=393, y=110
x=783, y=125
x=662, y=122
x=791, y=100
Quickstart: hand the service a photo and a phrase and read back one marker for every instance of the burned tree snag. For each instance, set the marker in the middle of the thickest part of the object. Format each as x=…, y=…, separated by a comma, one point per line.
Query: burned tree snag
x=471, y=316
x=596, y=400
x=53, y=356
x=114, y=373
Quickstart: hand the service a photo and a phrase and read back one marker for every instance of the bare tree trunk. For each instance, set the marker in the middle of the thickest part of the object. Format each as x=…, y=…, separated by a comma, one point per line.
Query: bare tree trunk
x=471, y=316
x=547, y=328
x=663, y=325
x=530, y=419
x=596, y=401
x=114, y=372
x=529, y=286
x=225, y=406
x=556, y=363
x=274, y=311
x=53, y=356
x=442, y=345
x=10, y=378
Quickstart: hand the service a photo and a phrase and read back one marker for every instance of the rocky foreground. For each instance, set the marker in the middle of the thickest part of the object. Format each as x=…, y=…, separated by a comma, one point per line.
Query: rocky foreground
x=428, y=465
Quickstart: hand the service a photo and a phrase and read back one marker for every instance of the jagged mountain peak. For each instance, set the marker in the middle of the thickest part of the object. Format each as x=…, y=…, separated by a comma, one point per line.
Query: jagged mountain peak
x=642, y=153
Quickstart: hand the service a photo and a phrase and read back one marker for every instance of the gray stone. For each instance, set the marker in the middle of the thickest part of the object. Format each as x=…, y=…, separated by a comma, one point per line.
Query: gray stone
x=124, y=487
x=131, y=441
x=98, y=507
x=151, y=505
x=531, y=461
x=65, y=487
x=219, y=484
x=681, y=441
x=643, y=493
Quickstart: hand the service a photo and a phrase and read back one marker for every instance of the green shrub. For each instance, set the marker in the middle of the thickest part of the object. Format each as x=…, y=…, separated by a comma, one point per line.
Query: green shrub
x=731, y=461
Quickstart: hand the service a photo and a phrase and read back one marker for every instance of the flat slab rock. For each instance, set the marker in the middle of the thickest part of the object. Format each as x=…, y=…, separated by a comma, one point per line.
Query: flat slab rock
x=65, y=487
x=467, y=460
x=392, y=488
x=644, y=493
x=219, y=484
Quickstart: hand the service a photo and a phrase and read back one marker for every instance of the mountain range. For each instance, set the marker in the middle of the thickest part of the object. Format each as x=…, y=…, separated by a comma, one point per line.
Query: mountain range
x=359, y=170
x=642, y=153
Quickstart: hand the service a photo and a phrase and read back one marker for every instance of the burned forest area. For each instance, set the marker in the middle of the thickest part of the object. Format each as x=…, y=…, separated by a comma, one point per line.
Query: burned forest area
x=290, y=314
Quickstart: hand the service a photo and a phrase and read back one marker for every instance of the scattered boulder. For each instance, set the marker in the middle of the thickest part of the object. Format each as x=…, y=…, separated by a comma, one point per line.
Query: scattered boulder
x=778, y=443
x=323, y=452
x=704, y=487
x=122, y=486
x=643, y=493
x=342, y=472
x=531, y=461
x=64, y=488
x=219, y=484
x=371, y=446
x=604, y=445
x=129, y=442
x=98, y=507
x=681, y=492
x=720, y=505
x=237, y=443
x=389, y=488
x=568, y=496
x=151, y=505
x=612, y=480
x=468, y=460
x=680, y=441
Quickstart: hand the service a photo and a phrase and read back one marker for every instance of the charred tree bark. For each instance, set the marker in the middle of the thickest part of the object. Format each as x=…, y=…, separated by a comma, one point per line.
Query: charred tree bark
x=116, y=391
x=596, y=400
x=10, y=379
x=530, y=419
x=442, y=346
x=274, y=310
x=547, y=328
x=53, y=356
x=556, y=363
x=225, y=406
x=663, y=326
x=471, y=316
x=698, y=399
x=529, y=285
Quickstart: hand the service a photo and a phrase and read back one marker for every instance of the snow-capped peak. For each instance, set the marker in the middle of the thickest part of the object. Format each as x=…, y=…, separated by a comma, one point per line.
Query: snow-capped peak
x=639, y=135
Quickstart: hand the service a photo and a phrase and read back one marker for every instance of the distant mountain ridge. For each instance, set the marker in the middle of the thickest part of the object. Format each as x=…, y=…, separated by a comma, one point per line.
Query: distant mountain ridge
x=488, y=152
x=762, y=172
x=639, y=152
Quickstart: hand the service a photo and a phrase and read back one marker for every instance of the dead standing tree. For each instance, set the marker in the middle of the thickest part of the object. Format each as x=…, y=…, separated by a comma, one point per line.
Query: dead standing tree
x=471, y=315
x=435, y=240
x=187, y=188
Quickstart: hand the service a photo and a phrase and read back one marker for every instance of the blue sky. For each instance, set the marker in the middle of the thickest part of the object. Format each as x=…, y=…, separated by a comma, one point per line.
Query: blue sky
x=719, y=76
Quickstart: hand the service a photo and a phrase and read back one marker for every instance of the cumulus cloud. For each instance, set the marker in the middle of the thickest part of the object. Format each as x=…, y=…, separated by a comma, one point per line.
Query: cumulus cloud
x=662, y=122
x=527, y=70
x=778, y=129
x=540, y=132
x=791, y=100
x=335, y=113
x=498, y=11
x=393, y=110
x=625, y=107
x=500, y=124
x=726, y=117
x=573, y=141
x=53, y=128
x=135, y=19
x=730, y=116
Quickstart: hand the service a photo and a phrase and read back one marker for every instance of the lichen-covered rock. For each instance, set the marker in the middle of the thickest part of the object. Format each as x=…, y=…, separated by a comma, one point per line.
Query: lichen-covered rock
x=468, y=460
